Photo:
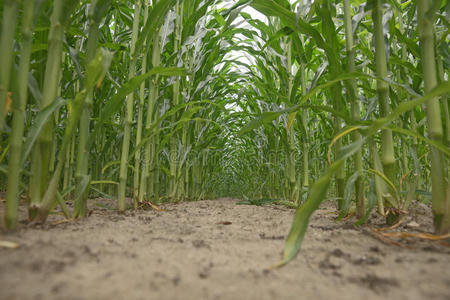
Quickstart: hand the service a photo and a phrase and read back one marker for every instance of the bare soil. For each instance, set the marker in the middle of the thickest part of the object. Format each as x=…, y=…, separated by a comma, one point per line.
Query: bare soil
x=218, y=250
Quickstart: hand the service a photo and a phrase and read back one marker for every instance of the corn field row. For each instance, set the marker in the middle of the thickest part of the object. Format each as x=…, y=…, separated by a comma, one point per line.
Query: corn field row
x=170, y=100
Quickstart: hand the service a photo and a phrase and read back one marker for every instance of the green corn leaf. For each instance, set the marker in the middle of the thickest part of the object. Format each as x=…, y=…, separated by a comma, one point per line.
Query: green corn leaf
x=320, y=187
x=97, y=68
x=82, y=188
x=302, y=215
x=439, y=145
x=266, y=117
x=285, y=31
x=371, y=201
x=36, y=128
x=155, y=18
x=116, y=102
x=348, y=193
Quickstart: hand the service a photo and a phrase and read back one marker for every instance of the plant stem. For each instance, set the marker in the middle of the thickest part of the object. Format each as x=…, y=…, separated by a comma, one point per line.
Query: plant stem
x=82, y=168
x=19, y=105
x=355, y=109
x=441, y=204
x=387, y=143
x=43, y=148
x=140, y=123
x=9, y=23
x=147, y=185
x=128, y=119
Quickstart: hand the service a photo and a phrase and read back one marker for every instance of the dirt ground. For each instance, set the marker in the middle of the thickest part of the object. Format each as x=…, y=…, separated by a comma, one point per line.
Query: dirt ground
x=218, y=250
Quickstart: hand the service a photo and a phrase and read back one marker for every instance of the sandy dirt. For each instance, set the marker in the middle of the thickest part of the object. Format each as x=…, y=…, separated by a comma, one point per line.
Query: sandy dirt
x=218, y=250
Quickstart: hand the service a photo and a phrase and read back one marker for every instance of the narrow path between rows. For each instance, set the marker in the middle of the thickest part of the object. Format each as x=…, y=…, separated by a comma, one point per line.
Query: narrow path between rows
x=215, y=250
